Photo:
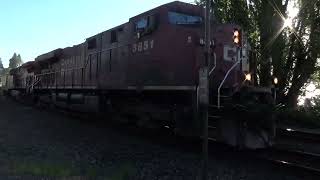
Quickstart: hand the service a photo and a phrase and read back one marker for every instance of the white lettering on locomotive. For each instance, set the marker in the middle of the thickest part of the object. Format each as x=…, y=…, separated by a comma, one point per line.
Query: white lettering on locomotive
x=145, y=45
x=229, y=53
x=134, y=48
x=139, y=46
x=142, y=46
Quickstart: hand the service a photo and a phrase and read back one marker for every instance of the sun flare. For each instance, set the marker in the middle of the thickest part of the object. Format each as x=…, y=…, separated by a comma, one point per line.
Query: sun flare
x=287, y=23
x=292, y=13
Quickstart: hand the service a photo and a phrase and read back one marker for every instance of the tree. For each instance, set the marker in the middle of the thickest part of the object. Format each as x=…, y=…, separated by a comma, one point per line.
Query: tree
x=1, y=65
x=15, y=61
x=294, y=52
x=303, y=53
x=262, y=20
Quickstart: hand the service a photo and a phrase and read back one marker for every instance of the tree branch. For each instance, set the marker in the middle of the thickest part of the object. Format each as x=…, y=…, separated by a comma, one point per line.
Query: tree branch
x=285, y=6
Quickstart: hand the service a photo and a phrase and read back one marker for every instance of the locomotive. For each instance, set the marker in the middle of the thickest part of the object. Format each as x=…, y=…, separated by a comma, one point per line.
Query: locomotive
x=148, y=69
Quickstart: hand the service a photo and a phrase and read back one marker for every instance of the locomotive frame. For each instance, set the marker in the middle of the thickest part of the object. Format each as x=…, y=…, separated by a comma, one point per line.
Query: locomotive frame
x=149, y=68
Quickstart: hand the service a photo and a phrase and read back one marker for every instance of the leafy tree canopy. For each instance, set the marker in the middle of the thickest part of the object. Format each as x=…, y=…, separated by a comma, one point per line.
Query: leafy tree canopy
x=1, y=65
x=15, y=61
x=294, y=50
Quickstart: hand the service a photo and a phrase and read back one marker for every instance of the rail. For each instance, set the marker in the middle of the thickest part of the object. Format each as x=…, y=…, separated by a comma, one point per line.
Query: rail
x=299, y=134
x=298, y=160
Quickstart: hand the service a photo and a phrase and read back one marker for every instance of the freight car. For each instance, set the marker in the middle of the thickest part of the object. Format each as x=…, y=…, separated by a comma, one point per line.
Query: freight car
x=148, y=68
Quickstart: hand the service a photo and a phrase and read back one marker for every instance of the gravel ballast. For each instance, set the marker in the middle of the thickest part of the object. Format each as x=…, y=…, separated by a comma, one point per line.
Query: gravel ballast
x=37, y=143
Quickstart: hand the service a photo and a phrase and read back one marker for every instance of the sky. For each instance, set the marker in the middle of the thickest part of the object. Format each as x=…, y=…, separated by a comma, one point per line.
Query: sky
x=34, y=27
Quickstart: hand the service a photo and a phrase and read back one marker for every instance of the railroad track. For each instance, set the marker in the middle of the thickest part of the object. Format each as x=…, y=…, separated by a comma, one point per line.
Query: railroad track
x=299, y=134
x=298, y=160
x=286, y=158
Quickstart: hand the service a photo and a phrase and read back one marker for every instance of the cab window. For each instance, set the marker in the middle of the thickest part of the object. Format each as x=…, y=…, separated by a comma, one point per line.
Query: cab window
x=145, y=25
x=92, y=43
x=184, y=19
x=142, y=24
x=114, y=36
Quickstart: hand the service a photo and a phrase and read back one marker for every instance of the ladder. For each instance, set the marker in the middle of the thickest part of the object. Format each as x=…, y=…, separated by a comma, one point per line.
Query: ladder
x=215, y=112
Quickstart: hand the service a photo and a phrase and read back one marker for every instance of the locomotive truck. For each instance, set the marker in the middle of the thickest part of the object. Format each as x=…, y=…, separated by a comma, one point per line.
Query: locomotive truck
x=148, y=69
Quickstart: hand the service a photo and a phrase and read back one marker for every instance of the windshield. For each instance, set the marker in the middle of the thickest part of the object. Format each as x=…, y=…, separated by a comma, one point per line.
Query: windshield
x=142, y=24
x=183, y=19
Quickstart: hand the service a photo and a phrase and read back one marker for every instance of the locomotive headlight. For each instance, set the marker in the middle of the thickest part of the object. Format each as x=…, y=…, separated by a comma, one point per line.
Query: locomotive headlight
x=248, y=77
x=236, y=33
x=275, y=81
x=236, y=40
x=237, y=37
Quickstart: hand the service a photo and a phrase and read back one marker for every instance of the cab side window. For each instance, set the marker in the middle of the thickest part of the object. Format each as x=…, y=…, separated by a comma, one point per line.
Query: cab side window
x=184, y=19
x=146, y=25
x=114, y=36
x=92, y=43
x=142, y=24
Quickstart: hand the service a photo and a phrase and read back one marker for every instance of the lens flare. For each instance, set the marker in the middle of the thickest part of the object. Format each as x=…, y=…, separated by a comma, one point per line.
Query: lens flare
x=275, y=81
x=236, y=33
x=236, y=40
x=287, y=23
x=248, y=77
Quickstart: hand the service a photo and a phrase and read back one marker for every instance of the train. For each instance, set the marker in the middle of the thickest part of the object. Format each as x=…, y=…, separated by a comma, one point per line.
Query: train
x=147, y=70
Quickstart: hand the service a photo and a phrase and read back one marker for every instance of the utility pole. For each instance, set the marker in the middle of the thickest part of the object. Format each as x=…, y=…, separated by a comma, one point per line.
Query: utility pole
x=204, y=92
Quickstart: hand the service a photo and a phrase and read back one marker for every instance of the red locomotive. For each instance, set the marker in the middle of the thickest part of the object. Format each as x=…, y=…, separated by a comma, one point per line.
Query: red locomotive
x=149, y=68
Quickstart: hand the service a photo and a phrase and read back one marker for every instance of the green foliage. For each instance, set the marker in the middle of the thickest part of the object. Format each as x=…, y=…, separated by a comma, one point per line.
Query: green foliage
x=64, y=170
x=15, y=61
x=300, y=117
x=315, y=108
x=5, y=71
x=1, y=65
x=123, y=172
x=294, y=51
x=42, y=169
x=303, y=51
x=237, y=12
x=2, y=70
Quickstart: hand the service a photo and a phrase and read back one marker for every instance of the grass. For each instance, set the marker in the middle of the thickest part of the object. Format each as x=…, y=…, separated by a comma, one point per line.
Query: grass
x=299, y=117
x=44, y=169
x=124, y=172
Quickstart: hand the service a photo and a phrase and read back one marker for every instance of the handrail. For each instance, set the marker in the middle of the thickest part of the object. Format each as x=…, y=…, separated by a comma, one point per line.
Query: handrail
x=66, y=70
x=88, y=57
x=33, y=84
x=215, y=64
x=86, y=62
x=111, y=48
x=225, y=77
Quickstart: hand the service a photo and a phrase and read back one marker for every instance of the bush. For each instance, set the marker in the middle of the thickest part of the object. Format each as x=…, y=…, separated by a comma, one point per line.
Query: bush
x=299, y=117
